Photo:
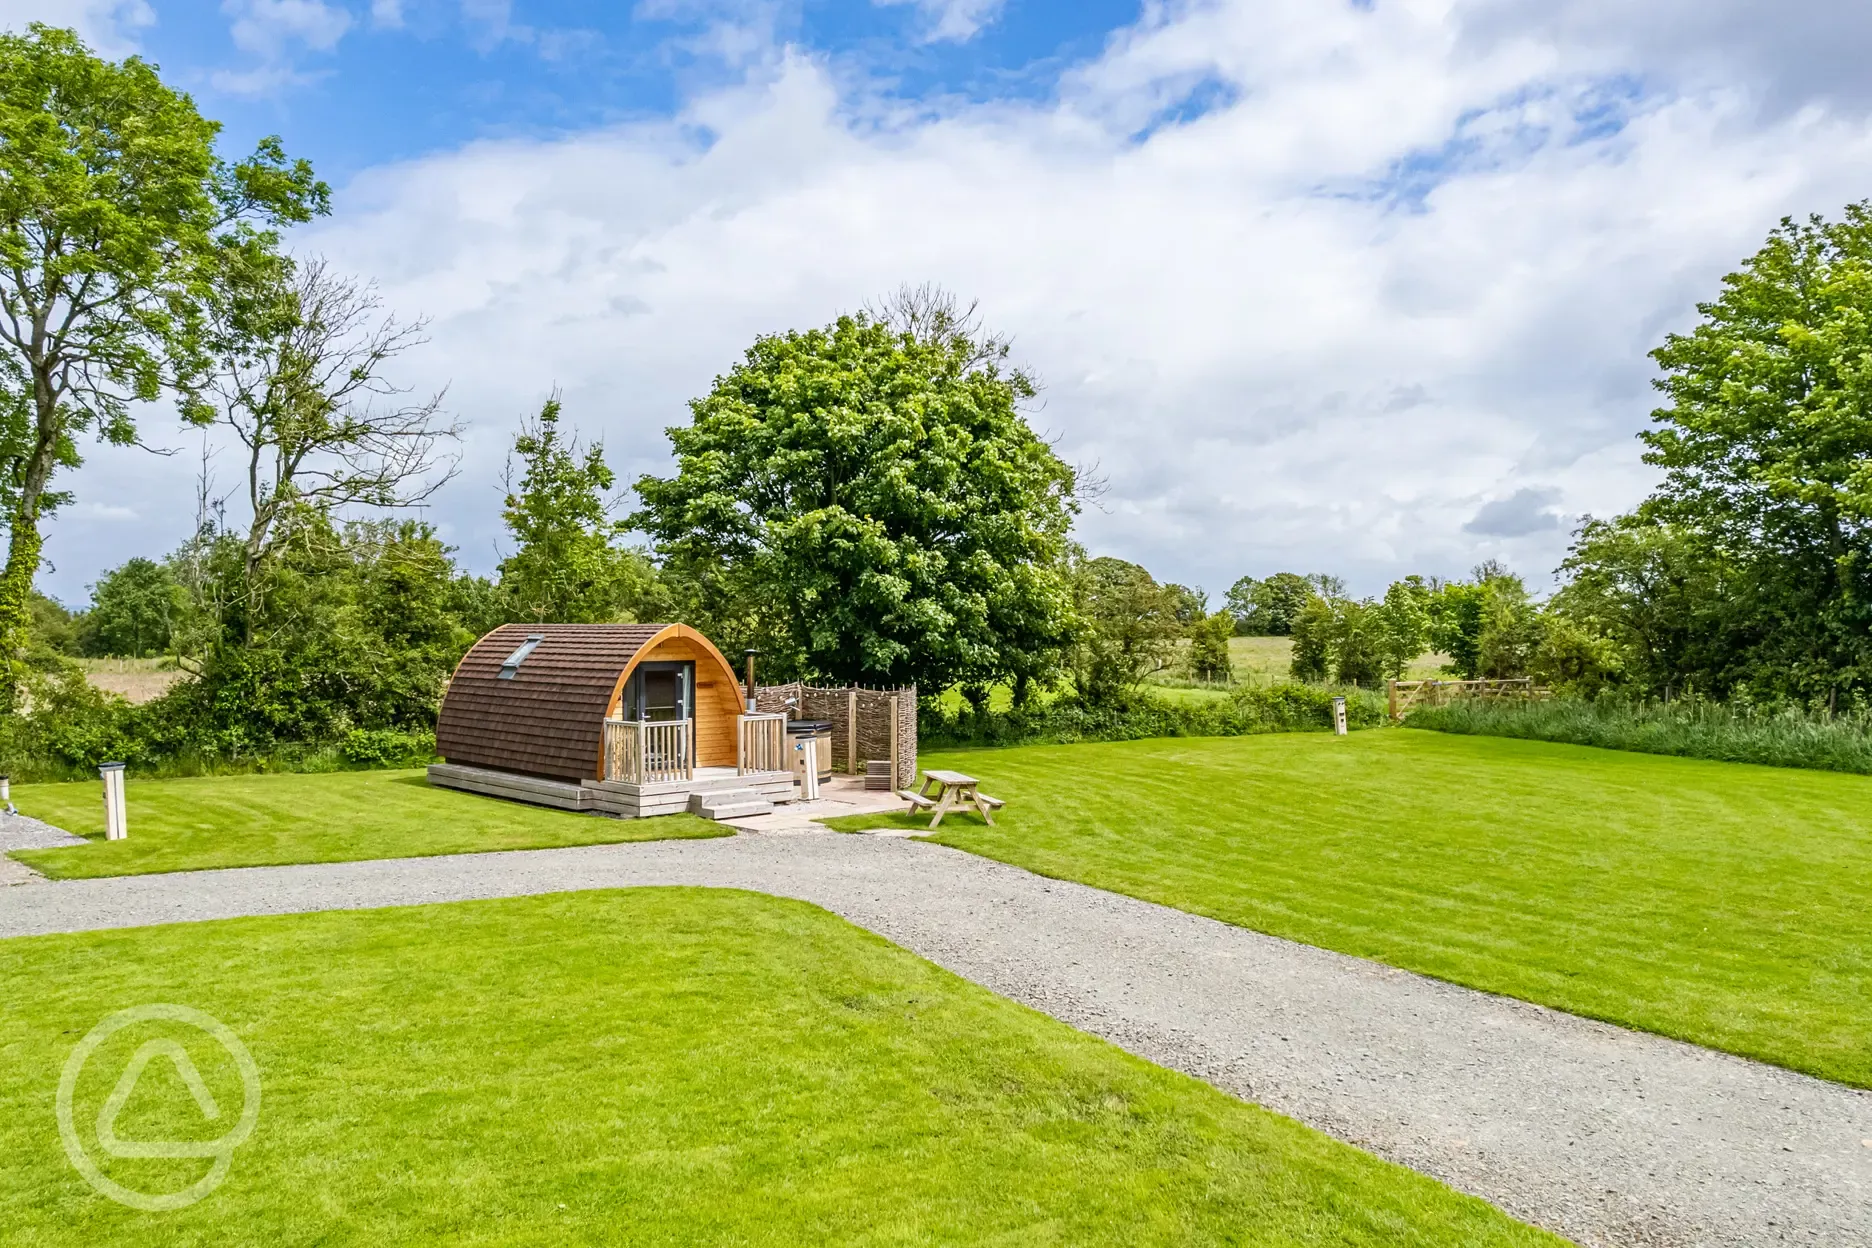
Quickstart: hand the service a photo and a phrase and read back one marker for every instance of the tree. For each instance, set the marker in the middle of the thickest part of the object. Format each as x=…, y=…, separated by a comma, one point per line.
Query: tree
x=568, y=566
x=1766, y=445
x=1572, y=659
x=1313, y=627
x=1209, y=647
x=117, y=221
x=133, y=609
x=298, y=377
x=1403, y=625
x=356, y=632
x=866, y=503
x=1511, y=630
x=1268, y=608
x=1668, y=604
x=1361, y=641
x=55, y=629
x=1131, y=629
x=1189, y=606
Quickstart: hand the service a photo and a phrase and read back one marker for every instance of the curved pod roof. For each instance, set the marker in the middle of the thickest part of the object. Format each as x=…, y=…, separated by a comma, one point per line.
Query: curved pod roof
x=545, y=717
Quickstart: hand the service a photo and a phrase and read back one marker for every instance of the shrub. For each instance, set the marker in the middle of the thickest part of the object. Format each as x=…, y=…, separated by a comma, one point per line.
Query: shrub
x=386, y=747
x=1787, y=737
x=69, y=727
x=1250, y=710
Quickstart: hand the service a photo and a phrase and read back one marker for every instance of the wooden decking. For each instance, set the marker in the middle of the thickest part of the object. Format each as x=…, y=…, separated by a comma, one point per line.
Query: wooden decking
x=617, y=798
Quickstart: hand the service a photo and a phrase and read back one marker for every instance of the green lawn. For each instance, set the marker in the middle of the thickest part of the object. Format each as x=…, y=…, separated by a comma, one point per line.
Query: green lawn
x=249, y=821
x=652, y=1066
x=1717, y=902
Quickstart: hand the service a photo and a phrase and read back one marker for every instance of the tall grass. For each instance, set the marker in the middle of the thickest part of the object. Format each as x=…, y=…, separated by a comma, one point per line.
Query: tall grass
x=1782, y=738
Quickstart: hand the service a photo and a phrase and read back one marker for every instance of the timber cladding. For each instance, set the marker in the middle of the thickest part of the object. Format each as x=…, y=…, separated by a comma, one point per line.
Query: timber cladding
x=548, y=719
x=717, y=697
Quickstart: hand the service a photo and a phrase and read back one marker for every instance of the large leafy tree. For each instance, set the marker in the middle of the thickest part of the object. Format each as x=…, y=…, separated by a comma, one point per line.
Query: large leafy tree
x=1749, y=569
x=118, y=225
x=1766, y=443
x=867, y=502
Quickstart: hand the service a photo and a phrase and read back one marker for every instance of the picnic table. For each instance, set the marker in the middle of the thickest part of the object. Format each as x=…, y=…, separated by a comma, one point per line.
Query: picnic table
x=952, y=790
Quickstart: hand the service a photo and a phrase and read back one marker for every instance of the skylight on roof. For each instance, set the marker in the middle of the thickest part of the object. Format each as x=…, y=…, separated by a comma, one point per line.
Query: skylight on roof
x=514, y=660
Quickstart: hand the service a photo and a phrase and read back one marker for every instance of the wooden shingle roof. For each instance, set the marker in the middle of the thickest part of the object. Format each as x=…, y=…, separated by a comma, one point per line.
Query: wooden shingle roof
x=548, y=720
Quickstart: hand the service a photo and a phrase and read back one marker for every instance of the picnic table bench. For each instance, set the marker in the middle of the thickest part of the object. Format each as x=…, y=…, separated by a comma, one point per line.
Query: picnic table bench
x=952, y=790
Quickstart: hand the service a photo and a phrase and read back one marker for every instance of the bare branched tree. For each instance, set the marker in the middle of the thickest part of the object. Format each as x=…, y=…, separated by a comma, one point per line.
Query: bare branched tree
x=299, y=382
x=933, y=314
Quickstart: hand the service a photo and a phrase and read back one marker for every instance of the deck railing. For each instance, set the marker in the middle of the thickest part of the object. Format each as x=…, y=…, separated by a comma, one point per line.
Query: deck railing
x=640, y=751
x=760, y=743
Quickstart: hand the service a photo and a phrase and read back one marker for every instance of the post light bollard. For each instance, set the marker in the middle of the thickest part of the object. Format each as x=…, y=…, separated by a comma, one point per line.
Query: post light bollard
x=1338, y=717
x=6, y=795
x=806, y=763
x=115, y=827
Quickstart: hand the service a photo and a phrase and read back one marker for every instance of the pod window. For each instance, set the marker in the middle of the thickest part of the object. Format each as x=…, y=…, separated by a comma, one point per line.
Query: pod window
x=519, y=656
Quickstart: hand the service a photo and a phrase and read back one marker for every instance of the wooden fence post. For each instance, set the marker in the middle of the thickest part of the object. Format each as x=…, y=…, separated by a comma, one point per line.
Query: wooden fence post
x=896, y=781
x=1391, y=698
x=851, y=732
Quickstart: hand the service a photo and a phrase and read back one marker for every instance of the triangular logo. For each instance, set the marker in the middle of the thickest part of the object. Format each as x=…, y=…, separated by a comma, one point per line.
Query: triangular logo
x=126, y=1084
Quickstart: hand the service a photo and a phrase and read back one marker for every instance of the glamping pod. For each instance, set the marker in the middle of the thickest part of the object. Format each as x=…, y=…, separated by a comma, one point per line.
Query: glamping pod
x=625, y=719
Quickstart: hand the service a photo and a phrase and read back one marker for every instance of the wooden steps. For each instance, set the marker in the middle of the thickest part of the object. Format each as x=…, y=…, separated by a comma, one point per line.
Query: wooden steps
x=729, y=804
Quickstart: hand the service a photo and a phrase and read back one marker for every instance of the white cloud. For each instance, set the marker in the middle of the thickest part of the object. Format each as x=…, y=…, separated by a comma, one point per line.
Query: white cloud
x=268, y=28
x=494, y=24
x=387, y=14
x=273, y=32
x=105, y=511
x=110, y=26
x=958, y=20
x=1398, y=274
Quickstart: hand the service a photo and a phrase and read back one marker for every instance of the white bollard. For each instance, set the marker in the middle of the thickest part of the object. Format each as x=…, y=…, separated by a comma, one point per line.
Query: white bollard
x=6, y=795
x=806, y=762
x=1338, y=717
x=115, y=826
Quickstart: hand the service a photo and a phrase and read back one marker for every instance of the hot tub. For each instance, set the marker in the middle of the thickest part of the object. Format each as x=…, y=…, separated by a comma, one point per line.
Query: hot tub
x=818, y=732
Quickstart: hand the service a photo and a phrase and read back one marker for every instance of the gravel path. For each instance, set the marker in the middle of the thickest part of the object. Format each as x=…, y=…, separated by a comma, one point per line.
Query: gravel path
x=21, y=832
x=1604, y=1135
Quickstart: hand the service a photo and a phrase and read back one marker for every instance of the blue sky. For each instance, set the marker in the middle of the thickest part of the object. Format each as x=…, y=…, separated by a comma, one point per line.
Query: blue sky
x=1317, y=285
x=362, y=86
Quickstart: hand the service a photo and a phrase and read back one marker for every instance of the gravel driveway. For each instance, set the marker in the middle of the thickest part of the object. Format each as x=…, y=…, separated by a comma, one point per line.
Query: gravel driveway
x=22, y=832
x=1604, y=1135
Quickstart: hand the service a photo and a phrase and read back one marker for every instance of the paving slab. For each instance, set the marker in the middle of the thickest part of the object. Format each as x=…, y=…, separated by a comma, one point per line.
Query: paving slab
x=1607, y=1136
